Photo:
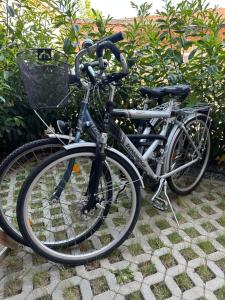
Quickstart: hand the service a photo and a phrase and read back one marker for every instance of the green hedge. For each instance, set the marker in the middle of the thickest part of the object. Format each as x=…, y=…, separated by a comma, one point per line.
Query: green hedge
x=154, y=51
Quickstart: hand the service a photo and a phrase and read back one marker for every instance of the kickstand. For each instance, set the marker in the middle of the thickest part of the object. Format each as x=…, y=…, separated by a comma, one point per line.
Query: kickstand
x=159, y=202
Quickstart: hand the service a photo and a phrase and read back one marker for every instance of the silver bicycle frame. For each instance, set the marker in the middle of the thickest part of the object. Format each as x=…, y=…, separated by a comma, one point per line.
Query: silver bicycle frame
x=142, y=160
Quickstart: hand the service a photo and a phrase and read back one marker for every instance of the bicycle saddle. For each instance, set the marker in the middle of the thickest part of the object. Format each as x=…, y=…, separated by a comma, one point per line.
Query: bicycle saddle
x=180, y=90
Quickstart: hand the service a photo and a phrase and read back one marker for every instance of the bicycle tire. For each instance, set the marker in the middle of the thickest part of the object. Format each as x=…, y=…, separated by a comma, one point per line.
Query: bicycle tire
x=53, y=163
x=186, y=186
x=13, y=160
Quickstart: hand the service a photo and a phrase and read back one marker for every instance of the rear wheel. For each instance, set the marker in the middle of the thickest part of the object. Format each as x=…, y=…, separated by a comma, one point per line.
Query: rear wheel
x=14, y=169
x=66, y=219
x=182, y=151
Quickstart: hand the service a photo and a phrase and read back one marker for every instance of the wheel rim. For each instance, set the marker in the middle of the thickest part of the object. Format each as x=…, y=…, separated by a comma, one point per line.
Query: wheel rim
x=109, y=234
x=12, y=179
x=183, y=152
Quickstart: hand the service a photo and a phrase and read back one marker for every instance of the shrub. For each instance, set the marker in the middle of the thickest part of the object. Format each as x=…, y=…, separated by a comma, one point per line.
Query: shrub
x=154, y=50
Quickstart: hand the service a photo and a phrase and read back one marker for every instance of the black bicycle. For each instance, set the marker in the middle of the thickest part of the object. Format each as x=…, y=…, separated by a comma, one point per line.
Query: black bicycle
x=34, y=63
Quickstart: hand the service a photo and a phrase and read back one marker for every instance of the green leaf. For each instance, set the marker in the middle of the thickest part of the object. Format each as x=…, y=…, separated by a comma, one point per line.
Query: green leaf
x=94, y=12
x=6, y=74
x=212, y=69
x=163, y=35
x=131, y=62
x=10, y=11
x=76, y=27
x=17, y=121
x=67, y=46
x=172, y=78
x=161, y=21
x=59, y=23
x=2, y=99
x=192, y=54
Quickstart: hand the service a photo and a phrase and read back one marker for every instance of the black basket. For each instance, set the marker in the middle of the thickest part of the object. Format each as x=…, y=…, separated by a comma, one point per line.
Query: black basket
x=45, y=76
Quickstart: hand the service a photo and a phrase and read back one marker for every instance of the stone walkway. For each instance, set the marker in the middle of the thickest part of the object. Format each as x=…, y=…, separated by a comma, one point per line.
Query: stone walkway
x=158, y=261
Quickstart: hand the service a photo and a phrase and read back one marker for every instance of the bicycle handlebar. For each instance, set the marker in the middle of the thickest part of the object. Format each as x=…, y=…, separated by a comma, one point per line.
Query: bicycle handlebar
x=113, y=38
x=107, y=45
x=88, y=69
x=119, y=56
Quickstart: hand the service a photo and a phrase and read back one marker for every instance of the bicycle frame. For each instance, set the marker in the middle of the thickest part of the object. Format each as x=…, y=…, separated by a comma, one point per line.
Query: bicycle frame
x=142, y=160
x=119, y=135
x=86, y=124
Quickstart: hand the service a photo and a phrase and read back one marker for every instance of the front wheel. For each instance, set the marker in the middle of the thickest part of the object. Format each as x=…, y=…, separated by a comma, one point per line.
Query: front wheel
x=66, y=219
x=182, y=152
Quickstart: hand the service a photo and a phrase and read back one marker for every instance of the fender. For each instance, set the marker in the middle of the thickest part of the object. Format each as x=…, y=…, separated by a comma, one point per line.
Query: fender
x=175, y=131
x=118, y=153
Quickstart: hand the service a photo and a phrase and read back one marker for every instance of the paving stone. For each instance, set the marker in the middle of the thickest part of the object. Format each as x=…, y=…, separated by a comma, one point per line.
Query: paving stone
x=58, y=292
x=119, y=297
x=194, y=293
x=129, y=287
x=146, y=292
x=107, y=295
x=210, y=295
x=152, y=279
x=173, y=287
x=215, y=284
x=86, y=290
x=157, y=253
x=215, y=269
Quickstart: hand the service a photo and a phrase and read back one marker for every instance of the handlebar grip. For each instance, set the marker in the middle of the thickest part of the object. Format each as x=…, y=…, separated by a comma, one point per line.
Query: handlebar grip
x=114, y=38
x=107, y=45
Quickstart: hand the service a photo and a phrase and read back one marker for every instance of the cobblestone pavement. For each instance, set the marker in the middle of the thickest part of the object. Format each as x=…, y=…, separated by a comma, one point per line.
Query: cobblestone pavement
x=158, y=261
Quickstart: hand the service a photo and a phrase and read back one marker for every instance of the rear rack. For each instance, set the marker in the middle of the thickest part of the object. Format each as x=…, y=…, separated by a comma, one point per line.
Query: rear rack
x=198, y=108
x=164, y=106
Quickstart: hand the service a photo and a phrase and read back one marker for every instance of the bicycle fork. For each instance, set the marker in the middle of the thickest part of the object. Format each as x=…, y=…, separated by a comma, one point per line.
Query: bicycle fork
x=96, y=174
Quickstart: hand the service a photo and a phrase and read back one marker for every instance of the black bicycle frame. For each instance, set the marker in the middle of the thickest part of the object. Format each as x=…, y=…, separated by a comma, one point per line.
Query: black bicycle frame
x=86, y=124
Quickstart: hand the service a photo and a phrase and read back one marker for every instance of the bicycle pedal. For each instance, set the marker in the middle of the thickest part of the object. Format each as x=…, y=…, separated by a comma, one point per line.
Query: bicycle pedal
x=160, y=204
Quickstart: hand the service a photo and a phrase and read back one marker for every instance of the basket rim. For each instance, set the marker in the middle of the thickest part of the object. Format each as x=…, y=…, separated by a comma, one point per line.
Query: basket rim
x=29, y=49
